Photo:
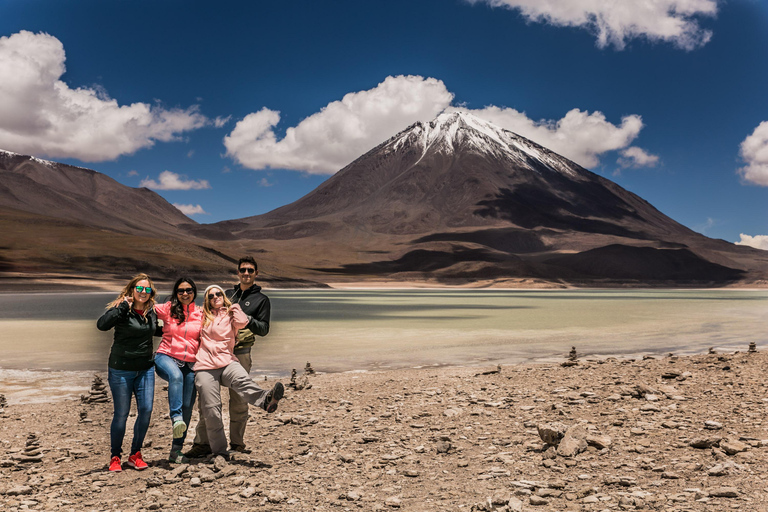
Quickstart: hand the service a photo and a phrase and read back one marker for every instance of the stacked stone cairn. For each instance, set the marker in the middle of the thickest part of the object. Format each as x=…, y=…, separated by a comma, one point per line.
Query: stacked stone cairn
x=32, y=451
x=3, y=403
x=98, y=392
x=752, y=348
x=572, y=358
x=302, y=382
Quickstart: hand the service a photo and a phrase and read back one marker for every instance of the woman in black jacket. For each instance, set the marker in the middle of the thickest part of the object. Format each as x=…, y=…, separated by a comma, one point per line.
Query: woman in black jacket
x=131, y=367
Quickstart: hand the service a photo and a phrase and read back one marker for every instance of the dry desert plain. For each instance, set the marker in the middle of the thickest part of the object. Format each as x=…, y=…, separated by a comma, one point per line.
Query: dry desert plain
x=665, y=433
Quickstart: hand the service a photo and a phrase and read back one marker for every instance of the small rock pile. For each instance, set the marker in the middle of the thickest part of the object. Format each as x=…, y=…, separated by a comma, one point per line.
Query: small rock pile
x=299, y=383
x=98, y=392
x=572, y=360
x=3, y=403
x=32, y=451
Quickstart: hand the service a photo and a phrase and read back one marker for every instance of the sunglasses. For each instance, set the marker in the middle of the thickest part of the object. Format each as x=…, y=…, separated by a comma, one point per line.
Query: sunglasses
x=211, y=296
x=184, y=291
x=247, y=270
x=141, y=289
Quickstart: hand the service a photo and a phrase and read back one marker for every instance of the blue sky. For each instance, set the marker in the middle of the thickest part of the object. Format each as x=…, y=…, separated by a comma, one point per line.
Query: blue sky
x=234, y=108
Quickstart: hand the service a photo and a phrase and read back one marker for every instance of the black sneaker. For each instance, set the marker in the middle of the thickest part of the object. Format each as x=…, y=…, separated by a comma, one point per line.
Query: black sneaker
x=239, y=448
x=198, y=451
x=274, y=396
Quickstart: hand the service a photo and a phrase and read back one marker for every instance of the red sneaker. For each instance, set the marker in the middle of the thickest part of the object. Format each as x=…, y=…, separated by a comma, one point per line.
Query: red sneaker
x=114, y=464
x=136, y=462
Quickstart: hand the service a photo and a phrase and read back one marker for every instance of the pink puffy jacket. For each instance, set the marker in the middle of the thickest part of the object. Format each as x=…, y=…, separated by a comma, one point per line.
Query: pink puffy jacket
x=180, y=340
x=217, y=339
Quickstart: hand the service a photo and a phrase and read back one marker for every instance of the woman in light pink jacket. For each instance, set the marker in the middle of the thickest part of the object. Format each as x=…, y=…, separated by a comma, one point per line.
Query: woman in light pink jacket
x=217, y=365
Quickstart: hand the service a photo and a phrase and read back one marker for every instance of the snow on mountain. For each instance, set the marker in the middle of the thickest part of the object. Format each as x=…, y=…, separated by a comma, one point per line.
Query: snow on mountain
x=454, y=131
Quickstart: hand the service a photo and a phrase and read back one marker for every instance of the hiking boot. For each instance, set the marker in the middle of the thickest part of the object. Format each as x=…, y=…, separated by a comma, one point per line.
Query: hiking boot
x=179, y=427
x=239, y=448
x=115, y=465
x=198, y=451
x=274, y=396
x=176, y=457
x=137, y=462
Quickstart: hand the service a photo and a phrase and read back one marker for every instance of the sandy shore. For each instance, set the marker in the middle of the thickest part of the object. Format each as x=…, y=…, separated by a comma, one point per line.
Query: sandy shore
x=666, y=433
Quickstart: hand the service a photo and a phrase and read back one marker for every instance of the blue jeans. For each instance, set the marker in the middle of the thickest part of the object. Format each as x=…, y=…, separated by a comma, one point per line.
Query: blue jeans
x=124, y=384
x=181, y=391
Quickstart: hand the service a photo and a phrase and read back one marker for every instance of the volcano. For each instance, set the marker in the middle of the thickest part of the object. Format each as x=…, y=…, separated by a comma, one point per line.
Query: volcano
x=459, y=198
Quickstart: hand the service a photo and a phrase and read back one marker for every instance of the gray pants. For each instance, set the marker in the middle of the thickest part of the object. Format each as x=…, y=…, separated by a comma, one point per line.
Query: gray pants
x=238, y=412
x=208, y=384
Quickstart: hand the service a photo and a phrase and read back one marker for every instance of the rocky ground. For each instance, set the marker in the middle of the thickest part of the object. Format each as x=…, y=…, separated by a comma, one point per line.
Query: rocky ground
x=667, y=433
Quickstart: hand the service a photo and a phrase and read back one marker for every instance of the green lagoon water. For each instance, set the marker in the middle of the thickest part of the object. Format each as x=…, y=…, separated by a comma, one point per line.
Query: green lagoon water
x=339, y=330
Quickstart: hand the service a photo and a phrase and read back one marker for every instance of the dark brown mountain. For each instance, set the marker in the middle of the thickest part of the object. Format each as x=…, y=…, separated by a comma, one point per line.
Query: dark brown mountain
x=461, y=199
x=454, y=201
x=81, y=195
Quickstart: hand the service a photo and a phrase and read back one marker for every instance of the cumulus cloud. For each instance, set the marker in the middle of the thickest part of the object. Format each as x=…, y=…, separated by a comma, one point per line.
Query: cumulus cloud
x=580, y=136
x=41, y=115
x=343, y=130
x=264, y=182
x=754, y=151
x=757, y=241
x=637, y=157
x=190, y=209
x=617, y=22
x=133, y=172
x=171, y=181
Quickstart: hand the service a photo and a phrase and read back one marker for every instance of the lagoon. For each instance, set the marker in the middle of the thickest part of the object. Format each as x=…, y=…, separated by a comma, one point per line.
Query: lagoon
x=343, y=330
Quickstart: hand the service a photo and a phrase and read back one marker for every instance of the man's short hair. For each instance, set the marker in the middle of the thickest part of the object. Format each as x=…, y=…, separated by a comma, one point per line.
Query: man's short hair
x=247, y=259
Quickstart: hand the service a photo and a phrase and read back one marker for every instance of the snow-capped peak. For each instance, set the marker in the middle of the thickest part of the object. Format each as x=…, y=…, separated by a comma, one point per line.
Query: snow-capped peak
x=459, y=128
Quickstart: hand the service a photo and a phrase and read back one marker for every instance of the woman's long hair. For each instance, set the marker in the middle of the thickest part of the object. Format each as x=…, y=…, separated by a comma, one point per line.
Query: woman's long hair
x=207, y=304
x=128, y=292
x=177, y=308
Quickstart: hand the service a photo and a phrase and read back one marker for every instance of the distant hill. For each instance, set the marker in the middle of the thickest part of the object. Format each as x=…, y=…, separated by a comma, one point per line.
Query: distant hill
x=62, y=191
x=454, y=201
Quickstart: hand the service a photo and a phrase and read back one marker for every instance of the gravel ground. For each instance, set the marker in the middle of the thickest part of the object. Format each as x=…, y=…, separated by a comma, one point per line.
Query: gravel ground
x=667, y=433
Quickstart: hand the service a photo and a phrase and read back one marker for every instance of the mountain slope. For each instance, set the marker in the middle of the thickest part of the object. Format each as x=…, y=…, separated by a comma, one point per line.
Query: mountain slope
x=460, y=198
x=62, y=191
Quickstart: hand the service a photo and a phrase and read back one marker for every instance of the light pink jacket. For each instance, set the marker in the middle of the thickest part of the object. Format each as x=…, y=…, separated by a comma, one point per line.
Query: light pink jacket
x=180, y=340
x=217, y=339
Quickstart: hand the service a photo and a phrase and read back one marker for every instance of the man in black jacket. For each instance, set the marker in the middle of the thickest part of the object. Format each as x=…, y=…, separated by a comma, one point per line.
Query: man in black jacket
x=256, y=305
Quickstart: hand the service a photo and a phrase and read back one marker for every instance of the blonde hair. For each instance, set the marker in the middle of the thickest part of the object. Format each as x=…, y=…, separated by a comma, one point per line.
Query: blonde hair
x=128, y=292
x=207, y=313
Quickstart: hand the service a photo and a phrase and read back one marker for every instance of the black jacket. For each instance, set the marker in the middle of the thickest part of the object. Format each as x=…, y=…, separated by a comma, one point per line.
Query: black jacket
x=256, y=305
x=132, y=346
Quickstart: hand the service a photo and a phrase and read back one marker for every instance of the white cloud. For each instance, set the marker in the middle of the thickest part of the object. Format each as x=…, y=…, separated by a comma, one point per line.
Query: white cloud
x=42, y=115
x=616, y=22
x=264, y=182
x=133, y=172
x=580, y=136
x=328, y=140
x=637, y=157
x=221, y=121
x=190, y=209
x=754, y=151
x=343, y=130
x=757, y=241
x=171, y=181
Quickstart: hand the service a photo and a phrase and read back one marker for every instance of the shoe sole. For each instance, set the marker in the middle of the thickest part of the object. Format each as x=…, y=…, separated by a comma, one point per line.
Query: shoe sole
x=132, y=465
x=276, y=395
x=178, y=430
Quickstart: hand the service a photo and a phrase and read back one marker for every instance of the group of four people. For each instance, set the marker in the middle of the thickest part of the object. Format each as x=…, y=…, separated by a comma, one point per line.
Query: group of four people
x=201, y=349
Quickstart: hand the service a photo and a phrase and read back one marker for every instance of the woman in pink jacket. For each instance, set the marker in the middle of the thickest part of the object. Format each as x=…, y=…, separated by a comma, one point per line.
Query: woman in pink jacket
x=217, y=365
x=175, y=358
